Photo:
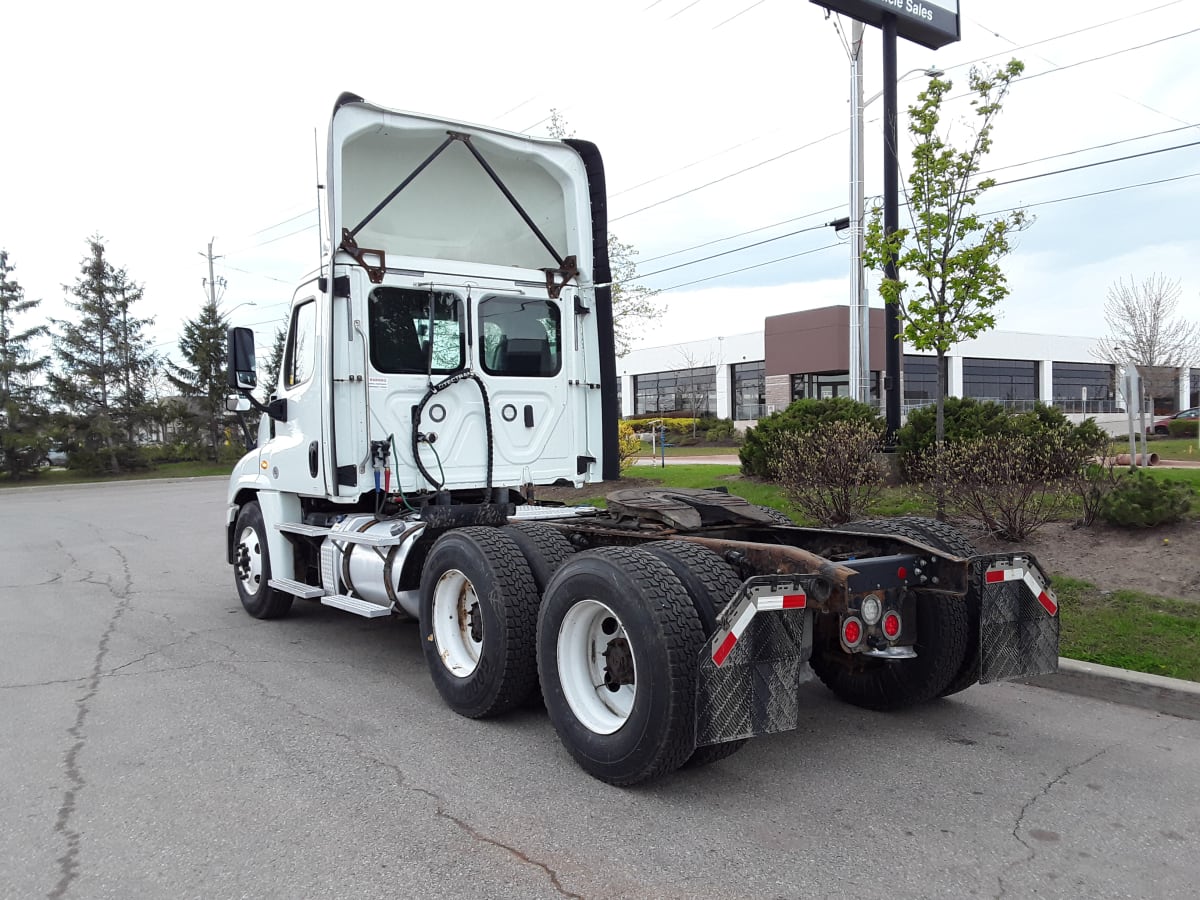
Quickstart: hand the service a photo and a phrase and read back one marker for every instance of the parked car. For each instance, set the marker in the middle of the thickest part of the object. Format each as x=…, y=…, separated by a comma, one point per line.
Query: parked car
x=56, y=457
x=1163, y=425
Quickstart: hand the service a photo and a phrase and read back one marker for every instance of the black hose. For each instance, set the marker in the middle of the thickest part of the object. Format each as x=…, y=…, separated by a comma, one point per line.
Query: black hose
x=487, y=421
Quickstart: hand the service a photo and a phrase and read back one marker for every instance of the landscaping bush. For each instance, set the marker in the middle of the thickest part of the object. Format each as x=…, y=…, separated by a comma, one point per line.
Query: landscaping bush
x=808, y=416
x=1142, y=501
x=832, y=472
x=1009, y=483
x=719, y=430
x=1183, y=428
x=628, y=443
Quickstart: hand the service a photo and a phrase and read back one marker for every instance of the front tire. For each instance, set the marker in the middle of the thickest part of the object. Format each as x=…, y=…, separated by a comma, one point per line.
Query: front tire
x=252, y=567
x=478, y=612
x=618, y=641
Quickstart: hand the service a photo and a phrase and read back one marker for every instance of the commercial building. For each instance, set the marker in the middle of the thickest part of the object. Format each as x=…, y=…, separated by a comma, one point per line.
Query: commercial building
x=806, y=354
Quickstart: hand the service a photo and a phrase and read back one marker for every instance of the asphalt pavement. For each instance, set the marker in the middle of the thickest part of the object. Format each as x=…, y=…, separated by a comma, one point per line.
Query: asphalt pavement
x=158, y=742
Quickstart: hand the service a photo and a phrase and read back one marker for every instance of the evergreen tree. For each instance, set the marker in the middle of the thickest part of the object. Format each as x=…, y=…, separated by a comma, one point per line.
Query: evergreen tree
x=104, y=361
x=275, y=360
x=22, y=415
x=203, y=379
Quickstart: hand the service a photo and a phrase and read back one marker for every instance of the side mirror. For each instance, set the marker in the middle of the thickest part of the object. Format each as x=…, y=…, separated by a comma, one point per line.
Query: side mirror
x=237, y=404
x=242, y=374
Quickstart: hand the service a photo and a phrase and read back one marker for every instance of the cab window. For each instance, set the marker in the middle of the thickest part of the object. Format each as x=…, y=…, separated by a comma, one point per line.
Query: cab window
x=300, y=356
x=520, y=336
x=414, y=331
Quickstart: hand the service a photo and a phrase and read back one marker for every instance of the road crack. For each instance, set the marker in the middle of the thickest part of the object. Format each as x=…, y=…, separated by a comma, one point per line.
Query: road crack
x=68, y=863
x=1028, y=804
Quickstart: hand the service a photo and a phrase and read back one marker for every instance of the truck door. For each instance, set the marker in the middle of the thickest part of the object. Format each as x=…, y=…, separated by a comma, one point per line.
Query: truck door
x=520, y=347
x=296, y=460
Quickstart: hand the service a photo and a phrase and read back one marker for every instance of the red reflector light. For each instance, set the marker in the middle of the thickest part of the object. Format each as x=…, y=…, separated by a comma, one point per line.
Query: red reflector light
x=902, y=573
x=794, y=601
x=852, y=632
x=891, y=625
x=994, y=576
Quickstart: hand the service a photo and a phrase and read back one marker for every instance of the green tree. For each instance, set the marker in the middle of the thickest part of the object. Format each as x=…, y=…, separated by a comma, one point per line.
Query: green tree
x=202, y=380
x=22, y=414
x=951, y=253
x=633, y=308
x=104, y=362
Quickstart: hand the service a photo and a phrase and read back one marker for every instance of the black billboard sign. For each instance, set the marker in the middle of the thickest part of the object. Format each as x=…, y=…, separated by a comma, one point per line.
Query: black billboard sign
x=930, y=23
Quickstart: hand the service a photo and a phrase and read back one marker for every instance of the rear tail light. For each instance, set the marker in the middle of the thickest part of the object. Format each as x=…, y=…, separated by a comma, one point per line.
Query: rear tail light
x=852, y=631
x=891, y=625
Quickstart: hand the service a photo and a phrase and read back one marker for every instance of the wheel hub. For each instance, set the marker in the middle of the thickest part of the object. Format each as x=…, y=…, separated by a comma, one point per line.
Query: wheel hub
x=618, y=664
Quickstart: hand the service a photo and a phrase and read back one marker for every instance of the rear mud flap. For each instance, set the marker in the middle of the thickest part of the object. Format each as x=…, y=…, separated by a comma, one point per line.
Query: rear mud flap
x=1018, y=619
x=752, y=669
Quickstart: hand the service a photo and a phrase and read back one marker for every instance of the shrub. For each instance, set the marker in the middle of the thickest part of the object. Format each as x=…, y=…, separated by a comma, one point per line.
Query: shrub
x=809, y=416
x=720, y=430
x=831, y=473
x=1183, y=428
x=1011, y=484
x=1093, y=482
x=965, y=419
x=628, y=443
x=1142, y=501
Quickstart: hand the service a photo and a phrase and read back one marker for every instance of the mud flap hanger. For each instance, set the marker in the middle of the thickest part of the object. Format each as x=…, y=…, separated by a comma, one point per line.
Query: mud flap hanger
x=566, y=270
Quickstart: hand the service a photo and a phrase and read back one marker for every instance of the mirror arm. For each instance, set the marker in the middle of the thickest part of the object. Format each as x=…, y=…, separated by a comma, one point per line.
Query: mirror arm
x=276, y=409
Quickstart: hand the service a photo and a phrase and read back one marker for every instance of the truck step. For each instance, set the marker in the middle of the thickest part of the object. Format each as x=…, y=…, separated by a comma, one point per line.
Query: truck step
x=354, y=605
x=301, y=528
x=347, y=537
x=297, y=588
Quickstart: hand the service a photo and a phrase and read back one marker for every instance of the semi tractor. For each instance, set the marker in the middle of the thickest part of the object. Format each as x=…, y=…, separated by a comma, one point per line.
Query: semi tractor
x=451, y=354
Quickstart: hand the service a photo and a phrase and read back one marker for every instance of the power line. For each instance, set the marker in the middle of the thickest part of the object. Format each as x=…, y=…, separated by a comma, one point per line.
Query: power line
x=730, y=237
x=1063, y=68
x=730, y=175
x=1099, y=162
x=742, y=13
x=685, y=9
x=748, y=268
x=1056, y=37
x=736, y=250
x=1124, y=187
x=1129, y=140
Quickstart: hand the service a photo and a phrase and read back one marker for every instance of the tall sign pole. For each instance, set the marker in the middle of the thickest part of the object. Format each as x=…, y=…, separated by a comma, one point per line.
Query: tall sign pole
x=891, y=222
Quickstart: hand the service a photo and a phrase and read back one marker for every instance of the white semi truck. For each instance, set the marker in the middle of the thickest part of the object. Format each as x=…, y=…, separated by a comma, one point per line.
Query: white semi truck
x=454, y=352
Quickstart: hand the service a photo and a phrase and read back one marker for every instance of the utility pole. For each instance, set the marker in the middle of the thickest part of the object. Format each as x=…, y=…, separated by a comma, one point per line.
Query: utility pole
x=859, y=362
x=211, y=283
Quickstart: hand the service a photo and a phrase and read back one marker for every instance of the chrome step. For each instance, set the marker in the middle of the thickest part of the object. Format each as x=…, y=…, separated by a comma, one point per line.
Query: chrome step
x=301, y=528
x=354, y=605
x=348, y=537
x=297, y=588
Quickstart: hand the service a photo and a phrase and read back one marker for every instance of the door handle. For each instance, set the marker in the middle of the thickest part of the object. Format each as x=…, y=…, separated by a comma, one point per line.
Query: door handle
x=312, y=459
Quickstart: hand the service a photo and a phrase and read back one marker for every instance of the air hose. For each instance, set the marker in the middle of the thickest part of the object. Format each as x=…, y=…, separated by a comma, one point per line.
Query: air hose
x=434, y=390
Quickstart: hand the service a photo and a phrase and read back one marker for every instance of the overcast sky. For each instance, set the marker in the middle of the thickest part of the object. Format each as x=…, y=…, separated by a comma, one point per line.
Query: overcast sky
x=722, y=123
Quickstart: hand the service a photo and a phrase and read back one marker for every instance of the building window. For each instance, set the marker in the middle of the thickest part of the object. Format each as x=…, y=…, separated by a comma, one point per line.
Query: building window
x=749, y=390
x=1012, y=382
x=920, y=380
x=1194, y=390
x=681, y=393
x=1084, y=387
x=820, y=385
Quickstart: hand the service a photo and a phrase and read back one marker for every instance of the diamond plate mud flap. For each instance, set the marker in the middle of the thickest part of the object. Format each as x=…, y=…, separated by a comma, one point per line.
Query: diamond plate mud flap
x=751, y=669
x=1018, y=623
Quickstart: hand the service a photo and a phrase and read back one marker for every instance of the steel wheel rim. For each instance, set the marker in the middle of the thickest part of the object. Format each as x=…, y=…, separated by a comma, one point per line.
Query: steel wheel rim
x=455, y=607
x=586, y=633
x=250, y=560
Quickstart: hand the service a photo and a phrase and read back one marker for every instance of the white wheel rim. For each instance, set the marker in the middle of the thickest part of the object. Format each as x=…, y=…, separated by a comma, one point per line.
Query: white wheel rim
x=584, y=636
x=250, y=560
x=455, y=607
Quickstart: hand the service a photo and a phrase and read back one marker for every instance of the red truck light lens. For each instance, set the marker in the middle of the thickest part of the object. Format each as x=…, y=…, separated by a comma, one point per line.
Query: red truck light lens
x=891, y=625
x=852, y=631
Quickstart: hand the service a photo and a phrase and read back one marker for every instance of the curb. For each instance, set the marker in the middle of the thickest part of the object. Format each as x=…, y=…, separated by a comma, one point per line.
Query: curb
x=1171, y=696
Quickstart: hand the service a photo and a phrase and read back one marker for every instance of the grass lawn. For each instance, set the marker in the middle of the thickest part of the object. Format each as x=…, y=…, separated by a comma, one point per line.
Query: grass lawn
x=1166, y=448
x=1129, y=630
x=698, y=450
x=163, y=470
